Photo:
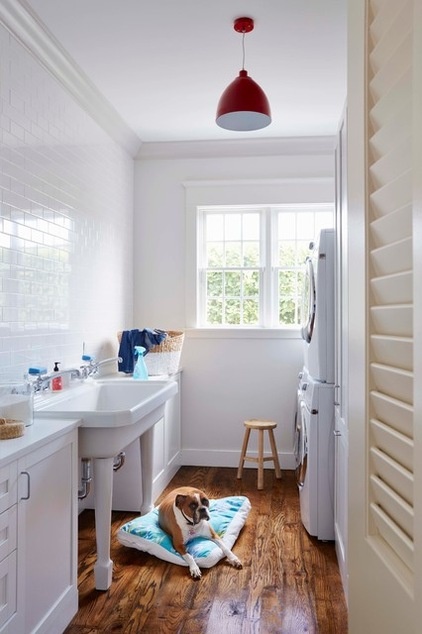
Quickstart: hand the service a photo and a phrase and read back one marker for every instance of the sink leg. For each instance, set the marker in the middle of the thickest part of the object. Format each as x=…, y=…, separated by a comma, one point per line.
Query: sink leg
x=103, y=482
x=146, y=443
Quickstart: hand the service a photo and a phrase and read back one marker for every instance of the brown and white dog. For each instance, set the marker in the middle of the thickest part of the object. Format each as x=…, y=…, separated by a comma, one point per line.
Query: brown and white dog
x=183, y=514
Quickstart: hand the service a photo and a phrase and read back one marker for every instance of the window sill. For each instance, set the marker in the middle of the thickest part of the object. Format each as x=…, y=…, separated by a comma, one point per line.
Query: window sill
x=243, y=333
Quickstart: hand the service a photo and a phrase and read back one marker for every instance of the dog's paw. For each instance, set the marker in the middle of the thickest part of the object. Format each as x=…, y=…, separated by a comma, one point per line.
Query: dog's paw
x=235, y=562
x=195, y=571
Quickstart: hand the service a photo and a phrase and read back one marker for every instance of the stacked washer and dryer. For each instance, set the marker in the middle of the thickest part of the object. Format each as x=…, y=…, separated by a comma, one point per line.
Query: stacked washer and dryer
x=314, y=433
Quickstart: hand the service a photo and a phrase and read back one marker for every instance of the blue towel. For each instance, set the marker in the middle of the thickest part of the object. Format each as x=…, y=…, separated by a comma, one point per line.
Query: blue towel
x=131, y=338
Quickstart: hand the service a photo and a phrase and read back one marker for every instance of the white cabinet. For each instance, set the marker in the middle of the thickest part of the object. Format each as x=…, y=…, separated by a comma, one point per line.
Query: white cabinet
x=40, y=562
x=8, y=545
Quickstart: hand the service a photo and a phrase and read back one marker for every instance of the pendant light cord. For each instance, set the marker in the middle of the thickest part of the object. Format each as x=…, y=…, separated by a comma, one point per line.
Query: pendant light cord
x=243, y=49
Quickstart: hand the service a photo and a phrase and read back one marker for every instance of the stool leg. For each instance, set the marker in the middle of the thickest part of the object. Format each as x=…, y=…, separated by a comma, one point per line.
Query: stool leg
x=243, y=453
x=275, y=454
x=261, y=459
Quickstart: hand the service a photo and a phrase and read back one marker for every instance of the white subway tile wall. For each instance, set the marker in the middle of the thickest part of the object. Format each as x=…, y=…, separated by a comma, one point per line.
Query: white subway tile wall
x=66, y=195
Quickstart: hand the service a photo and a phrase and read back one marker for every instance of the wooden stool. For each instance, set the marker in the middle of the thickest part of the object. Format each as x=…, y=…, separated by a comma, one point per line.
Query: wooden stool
x=260, y=426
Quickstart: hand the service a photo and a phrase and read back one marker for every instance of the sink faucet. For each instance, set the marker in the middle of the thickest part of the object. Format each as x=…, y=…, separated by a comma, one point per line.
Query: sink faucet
x=93, y=366
x=42, y=381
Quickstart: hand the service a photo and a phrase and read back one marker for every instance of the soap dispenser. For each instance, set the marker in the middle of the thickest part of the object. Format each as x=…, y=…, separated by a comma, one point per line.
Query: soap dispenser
x=140, y=371
x=56, y=383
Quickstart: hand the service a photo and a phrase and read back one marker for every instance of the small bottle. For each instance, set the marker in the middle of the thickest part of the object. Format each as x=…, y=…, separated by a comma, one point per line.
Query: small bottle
x=56, y=383
x=140, y=371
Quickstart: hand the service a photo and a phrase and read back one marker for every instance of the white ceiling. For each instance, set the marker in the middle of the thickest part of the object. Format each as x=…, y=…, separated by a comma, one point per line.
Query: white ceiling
x=163, y=64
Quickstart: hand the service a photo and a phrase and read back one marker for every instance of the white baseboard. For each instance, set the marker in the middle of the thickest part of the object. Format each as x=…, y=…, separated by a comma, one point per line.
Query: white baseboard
x=229, y=458
x=162, y=480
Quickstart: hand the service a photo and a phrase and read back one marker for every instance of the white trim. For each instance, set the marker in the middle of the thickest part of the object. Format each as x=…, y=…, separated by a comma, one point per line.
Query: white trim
x=248, y=187
x=290, y=146
x=229, y=458
x=288, y=191
x=23, y=23
x=243, y=333
x=417, y=267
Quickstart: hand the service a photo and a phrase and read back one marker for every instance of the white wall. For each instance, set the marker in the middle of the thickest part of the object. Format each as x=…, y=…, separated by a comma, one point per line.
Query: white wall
x=66, y=194
x=226, y=379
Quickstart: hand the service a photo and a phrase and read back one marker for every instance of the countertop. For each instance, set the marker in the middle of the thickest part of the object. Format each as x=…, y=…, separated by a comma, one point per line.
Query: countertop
x=36, y=435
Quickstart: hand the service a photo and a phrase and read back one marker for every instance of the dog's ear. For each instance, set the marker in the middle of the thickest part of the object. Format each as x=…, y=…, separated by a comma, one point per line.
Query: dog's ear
x=180, y=500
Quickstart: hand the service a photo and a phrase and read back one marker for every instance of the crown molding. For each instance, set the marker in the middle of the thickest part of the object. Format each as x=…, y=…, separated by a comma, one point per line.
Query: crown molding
x=22, y=22
x=288, y=146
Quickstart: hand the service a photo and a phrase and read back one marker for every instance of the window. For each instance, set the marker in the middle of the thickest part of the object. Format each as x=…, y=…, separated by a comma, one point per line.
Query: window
x=250, y=263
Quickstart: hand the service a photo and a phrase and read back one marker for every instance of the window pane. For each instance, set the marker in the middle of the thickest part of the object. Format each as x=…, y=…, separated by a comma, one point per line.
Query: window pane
x=214, y=312
x=233, y=254
x=300, y=281
x=233, y=227
x=232, y=284
x=251, y=283
x=286, y=225
x=250, y=312
x=287, y=283
x=215, y=255
x=287, y=254
x=305, y=225
x=287, y=314
x=251, y=254
x=289, y=299
x=302, y=251
x=232, y=311
x=251, y=226
x=214, y=284
x=214, y=227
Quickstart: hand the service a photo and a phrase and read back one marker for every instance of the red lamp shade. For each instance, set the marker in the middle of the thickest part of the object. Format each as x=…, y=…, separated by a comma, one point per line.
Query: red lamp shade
x=243, y=105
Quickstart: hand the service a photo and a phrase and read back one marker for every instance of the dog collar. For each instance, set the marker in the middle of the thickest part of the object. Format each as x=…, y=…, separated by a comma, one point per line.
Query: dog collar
x=188, y=521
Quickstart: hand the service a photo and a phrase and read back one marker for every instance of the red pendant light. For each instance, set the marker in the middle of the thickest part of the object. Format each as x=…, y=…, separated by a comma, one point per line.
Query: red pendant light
x=243, y=105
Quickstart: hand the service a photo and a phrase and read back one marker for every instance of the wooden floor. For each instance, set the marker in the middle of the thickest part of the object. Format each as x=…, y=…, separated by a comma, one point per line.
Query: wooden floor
x=289, y=583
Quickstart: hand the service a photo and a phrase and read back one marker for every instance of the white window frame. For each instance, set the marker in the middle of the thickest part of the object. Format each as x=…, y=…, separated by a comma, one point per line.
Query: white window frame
x=268, y=266
x=289, y=191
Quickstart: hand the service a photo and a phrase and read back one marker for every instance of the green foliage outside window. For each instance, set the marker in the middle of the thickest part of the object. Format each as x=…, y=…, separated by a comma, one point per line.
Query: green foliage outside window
x=236, y=258
x=234, y=295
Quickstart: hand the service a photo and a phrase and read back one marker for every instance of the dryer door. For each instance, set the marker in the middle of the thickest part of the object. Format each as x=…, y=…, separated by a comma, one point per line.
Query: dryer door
x=308, y=301
x=301, y=445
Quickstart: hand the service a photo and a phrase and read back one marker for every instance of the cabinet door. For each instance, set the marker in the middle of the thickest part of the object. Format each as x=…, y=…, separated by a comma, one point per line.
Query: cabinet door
x=47, y=539
x=172, y=428
x=10, y=620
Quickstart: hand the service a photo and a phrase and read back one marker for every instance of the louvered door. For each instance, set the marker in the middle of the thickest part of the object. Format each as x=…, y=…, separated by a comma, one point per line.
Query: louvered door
x=385, y=479
x=390, y=292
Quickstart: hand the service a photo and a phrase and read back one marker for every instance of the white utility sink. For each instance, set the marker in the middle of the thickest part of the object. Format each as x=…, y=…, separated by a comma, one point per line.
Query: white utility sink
x=113, y=413
x=105, y=403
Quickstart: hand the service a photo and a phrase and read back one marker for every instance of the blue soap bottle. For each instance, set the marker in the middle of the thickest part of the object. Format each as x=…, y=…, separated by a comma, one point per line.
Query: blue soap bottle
x=140, y=371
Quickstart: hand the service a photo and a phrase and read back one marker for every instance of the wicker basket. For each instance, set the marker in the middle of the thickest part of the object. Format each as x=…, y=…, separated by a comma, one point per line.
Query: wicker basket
x=165, y=358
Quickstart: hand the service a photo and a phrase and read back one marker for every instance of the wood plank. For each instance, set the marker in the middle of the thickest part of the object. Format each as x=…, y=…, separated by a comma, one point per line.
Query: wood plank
x=289, y=581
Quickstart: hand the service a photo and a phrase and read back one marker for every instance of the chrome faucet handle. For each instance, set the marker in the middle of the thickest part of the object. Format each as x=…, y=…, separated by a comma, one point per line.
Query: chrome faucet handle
x=94, y=366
